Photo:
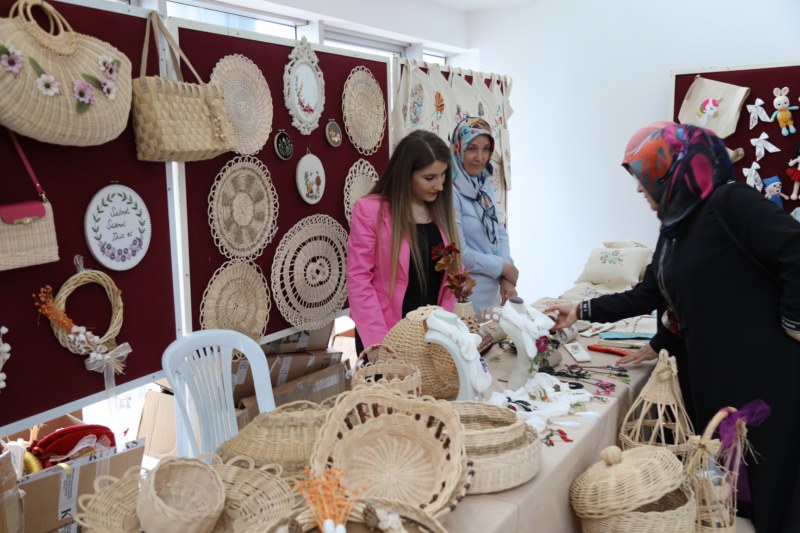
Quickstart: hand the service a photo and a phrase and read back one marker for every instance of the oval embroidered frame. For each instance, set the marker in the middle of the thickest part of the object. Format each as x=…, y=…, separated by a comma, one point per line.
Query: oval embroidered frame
x=243, y=208
x=310, y=178
x=304, y=87
x=283, y=145
x=237, y=298
x=333, y=133
x=117, y=227
x=364, y=110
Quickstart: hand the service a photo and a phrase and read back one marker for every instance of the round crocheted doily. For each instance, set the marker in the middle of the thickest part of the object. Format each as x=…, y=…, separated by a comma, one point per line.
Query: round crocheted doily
x=360, y=179
x=247, y=101
x=364, y=110
x=308, y=272
x=237, y=298
x=243, y=208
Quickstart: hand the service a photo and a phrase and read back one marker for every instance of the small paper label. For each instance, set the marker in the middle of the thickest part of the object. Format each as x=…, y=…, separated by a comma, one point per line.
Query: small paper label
x=68, y=493
x=330, y=381
x=283, y=373
x=310, y=361
x=302, y=342
x=241, y=372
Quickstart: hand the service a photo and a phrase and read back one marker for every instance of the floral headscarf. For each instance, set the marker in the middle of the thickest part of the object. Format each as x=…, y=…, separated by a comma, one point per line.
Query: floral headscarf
x=472, y=187
x=679, y=166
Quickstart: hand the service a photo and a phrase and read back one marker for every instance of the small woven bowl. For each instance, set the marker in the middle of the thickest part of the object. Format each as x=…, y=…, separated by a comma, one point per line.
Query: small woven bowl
x=388, y=371
x=180, y=494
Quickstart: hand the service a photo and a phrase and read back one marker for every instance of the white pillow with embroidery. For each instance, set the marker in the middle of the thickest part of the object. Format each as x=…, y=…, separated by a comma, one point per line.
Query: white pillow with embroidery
x=606, y=264
x=623, y=244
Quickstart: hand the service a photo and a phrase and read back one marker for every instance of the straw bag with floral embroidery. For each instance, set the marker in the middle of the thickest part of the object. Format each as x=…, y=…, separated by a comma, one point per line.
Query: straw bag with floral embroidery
x=59, y=86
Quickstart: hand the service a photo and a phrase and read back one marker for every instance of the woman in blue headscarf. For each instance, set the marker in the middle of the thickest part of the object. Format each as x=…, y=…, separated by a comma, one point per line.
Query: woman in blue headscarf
x=484, y=239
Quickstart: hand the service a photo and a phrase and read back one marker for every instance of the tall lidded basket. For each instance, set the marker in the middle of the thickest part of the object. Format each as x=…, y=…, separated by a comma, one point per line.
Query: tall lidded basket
x=658, y=416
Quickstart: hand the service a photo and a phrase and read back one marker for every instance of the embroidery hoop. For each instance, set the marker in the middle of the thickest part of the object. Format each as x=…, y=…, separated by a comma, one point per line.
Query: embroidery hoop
x=247, y=100
x=309, y=165
x=333, y=133
x=283, y=145
x=84, y=277
x=301, y=70
x=308, y=272
x=359, y=181
x=98, y=210
x=237, y=298
x=364, y=110
x=243, y=208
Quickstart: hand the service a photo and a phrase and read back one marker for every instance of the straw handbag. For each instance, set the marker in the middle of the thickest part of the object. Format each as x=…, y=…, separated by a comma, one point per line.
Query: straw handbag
x=27, y=230
x=59, y=86
x=175, y=120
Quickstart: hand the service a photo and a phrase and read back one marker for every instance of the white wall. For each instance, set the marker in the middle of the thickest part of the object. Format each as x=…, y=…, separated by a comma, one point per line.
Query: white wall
x=586, y=75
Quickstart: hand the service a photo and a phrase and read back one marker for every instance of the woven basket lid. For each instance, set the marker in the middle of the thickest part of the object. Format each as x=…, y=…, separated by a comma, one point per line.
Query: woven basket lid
x=237, y=298
x=247, y=101
x=623, y=481
x=361, y=177
x=364, y=110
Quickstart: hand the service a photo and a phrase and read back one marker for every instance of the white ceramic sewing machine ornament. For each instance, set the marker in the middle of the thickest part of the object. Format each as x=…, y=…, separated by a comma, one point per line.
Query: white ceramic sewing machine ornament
x=446, y=330
x=525, y=325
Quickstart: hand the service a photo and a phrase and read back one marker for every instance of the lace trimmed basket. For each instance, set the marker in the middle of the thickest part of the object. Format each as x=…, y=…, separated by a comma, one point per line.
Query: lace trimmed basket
x=284, y=436
x=639, y=490
x=437, y=369
x=395, y=446
x=388, y=371
x=504, y=450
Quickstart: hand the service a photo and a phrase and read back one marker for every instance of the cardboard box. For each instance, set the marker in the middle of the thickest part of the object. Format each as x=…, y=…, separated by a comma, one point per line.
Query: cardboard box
x=299, y=342
x=11, y=511
x=315, y=387
x=157, y=425
x=51, y=496
x=69, y=419
x=283, y=368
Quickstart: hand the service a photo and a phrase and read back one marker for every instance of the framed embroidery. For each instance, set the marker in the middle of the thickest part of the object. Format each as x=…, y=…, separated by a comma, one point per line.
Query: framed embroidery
x=283, y=145
x=310, y=178
x=333, y=133
x=304, y=88
x=117, y=227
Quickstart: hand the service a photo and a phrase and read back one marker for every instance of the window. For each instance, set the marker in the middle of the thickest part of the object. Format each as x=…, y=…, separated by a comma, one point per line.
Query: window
x=430, y=57
x=242, y=22
x=359, y=48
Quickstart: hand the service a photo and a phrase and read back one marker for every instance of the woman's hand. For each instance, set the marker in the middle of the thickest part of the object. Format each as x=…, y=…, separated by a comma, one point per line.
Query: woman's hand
x=507, y=290
x=567, y=315
x=645, y=353
x=793, y=334
x=510, y=273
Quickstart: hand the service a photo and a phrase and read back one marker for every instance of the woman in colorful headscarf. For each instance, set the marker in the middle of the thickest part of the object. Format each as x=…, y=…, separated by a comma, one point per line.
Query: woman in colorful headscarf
x=484, y=239
x=726, y=274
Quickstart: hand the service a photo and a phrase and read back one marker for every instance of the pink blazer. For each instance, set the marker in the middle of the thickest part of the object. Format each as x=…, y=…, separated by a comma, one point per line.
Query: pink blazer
x=369, y=270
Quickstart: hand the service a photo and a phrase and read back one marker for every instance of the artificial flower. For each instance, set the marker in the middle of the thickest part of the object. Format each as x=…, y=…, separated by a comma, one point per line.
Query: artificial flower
x=109, y=87
x=48, y=85
x=12, y=61
x=83, y=91
x=458, y=280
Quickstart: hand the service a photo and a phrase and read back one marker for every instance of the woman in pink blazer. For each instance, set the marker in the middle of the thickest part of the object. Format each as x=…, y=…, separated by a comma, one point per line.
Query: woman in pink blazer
x=390, y=270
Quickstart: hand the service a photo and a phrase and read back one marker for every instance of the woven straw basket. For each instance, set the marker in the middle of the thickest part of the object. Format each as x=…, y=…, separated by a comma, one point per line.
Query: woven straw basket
x=284, y=436
x=394, y=446
x=437, y=369
x=362, y=518
x=29, y=244
x=636, y=491
x=504, y=450
x=658, y=416
x=68, y=57
x=180, y=495
x=716, y=508
x=388, y=371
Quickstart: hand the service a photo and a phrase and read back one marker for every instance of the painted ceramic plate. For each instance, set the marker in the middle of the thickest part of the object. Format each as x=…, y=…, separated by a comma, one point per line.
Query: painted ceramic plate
x=310, y=178
x=283, y=145
x=117, y=226
x=333, y=133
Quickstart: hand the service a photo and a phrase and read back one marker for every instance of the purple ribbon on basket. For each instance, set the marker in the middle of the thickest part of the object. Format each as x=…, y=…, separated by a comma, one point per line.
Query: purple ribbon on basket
x=732, y=433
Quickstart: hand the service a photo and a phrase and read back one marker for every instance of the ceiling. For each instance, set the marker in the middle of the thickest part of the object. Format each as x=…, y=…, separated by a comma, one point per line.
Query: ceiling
x=478, y=5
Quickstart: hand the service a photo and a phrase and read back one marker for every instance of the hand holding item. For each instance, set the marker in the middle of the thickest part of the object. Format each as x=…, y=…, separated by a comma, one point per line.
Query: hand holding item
x=567, y=315
x=645, y=353
x=507, y=290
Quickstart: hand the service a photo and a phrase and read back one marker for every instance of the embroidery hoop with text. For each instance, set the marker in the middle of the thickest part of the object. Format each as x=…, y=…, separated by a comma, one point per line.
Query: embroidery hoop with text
x=124, y=204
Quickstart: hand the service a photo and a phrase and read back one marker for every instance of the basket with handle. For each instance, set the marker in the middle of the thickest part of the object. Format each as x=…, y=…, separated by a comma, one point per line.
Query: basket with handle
x=174, y=120
x=394, y=446
x=284, y=436
x=437, y=369
x=388, y=371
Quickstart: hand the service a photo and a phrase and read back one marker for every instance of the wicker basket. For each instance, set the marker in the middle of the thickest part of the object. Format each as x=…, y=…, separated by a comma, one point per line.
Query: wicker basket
x=437, y=369
x=388, y=371
x=504, y=450
x=395, y=446
x=180, y=494
x=658, y=416
x=465, y=311
x=716, y=506
x=284, y=436
x=636, y=491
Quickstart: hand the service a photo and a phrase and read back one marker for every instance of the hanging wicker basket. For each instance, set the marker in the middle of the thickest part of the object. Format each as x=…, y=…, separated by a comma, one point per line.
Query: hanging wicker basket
x=437, y=369
x=711, y=481
x=658, y=416
x=388, y=371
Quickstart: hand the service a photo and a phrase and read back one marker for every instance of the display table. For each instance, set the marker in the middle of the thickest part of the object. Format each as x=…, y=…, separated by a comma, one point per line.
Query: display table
x=542, y=504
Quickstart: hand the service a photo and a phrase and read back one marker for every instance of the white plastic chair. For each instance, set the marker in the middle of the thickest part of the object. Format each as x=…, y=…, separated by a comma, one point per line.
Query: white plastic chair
x=198, y=367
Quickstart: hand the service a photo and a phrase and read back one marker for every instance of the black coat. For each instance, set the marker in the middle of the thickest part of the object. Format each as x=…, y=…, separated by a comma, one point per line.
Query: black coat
x=733, y=294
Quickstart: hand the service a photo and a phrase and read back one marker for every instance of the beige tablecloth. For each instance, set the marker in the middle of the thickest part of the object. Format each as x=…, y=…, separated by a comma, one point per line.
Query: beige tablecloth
x=542, y=504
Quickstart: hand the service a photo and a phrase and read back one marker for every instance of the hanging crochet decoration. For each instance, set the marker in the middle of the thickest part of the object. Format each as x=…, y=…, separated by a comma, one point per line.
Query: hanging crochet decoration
x=757, y=113
x=783, y=111
x=364, y=110
x=304, y=88
x=237, y=298
x=752, y=177
x=762, y=145
x=105, y=356
x=360, y=179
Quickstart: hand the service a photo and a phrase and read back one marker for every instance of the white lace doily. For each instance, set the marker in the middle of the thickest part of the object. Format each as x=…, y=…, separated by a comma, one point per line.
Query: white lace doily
x=243, y=208
x=247, y=100
x=361, y=177
x=364, y=110
x=308, y=272
x=237, y=298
